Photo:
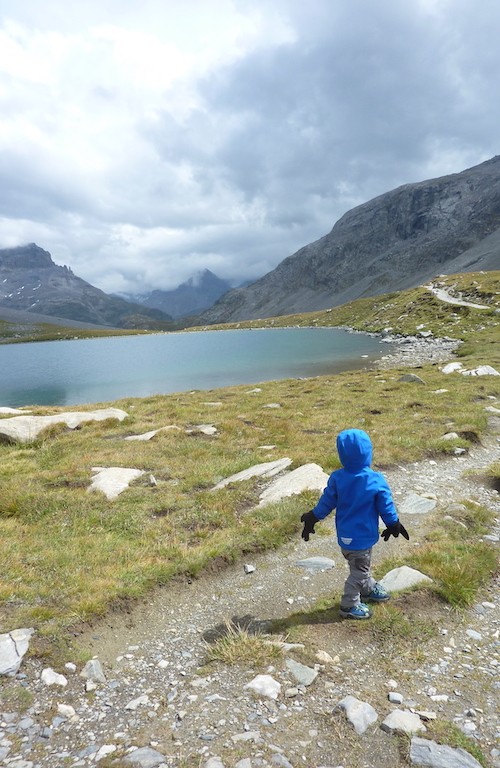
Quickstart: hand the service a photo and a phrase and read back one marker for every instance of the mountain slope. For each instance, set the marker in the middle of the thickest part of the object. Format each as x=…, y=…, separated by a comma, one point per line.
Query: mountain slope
x=194, y=295
x=395, y=241
x=30, y=281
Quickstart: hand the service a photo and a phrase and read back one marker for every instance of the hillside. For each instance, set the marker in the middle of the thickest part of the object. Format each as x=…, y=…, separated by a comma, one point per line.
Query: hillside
x=395, y=241
x=31, y=282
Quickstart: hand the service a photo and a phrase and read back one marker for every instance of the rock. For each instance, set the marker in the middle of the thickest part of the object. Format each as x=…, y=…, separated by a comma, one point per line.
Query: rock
x=49, y=677
x=308, y=477
x=25, y=429
x=248, y=568
x=395, y=698
x=450, y=436
x=145, y=757
x=139, y=701
x=316, y=563
x=104, y=751
x=414, y=504
x=481, y=370
x=411, y=378
x=324, y=658
x=13, y=646
x=281, y=761
x=403, y=577
x=451, y=368
x=13, y=411
x=265, y=685
x=111, y=481
x=204, y=429
x=473, y=634
x=360, y=714
x=303, y=675
x=403, y=721
x=245, y=763
x=93, y=671
x=67, y=711
x=214, y=762
x=429, y=753
x=267, y=469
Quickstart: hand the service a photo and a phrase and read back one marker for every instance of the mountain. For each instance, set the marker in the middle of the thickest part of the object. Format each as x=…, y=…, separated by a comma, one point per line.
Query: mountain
x=192, y=296
x=30, y=281
x=395, y=241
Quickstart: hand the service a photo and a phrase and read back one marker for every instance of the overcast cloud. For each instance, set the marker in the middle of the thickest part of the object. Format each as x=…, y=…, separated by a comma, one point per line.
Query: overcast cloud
x=141, y=142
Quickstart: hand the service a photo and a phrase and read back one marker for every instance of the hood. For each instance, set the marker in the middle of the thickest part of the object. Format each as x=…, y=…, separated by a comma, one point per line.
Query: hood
x=355, y=449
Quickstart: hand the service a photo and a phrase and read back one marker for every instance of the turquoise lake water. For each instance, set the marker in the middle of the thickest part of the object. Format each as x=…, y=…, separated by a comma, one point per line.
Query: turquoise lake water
x=97, y=370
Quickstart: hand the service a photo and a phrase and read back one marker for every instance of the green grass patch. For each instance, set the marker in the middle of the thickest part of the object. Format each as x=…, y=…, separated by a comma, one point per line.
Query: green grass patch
x=15, y=698
x=238, y=645
x=452, y=555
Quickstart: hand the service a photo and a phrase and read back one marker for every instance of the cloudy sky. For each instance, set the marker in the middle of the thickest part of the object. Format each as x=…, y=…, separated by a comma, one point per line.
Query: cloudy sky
x=143, y=141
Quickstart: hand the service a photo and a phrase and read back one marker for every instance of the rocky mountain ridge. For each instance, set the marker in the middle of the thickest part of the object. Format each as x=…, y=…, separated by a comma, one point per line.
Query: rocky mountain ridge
x=395, y=241
x=194, y=295
x=31, y=282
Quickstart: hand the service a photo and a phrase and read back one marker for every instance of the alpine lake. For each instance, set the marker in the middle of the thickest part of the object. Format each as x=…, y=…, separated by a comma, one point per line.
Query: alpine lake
x=84, y=371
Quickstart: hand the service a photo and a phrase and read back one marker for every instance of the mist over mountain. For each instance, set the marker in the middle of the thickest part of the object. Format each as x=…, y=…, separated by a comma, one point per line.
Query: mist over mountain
x=31, y=282
x=395, y=241
x=194, y=295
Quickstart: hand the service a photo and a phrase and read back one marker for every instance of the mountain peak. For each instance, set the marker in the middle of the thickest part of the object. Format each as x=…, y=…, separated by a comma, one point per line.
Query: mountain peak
x=29, y=256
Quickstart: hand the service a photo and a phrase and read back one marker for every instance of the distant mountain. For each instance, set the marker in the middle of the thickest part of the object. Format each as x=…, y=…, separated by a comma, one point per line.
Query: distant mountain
x=30, y=281
x=395, y=241
x=193, y=296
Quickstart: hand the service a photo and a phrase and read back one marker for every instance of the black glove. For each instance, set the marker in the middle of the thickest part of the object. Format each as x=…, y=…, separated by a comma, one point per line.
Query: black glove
x=309, y=519
x=395, y=530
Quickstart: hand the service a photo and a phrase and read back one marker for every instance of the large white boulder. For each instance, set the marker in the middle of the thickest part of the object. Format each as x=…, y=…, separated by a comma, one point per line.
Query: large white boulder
x=266, y=469
x=111, y=481
x=13, y=646
x=308, y=477
x=25, y=429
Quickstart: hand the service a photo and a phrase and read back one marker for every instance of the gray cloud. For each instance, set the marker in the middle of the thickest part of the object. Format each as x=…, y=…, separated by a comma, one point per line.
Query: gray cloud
x=136, y=179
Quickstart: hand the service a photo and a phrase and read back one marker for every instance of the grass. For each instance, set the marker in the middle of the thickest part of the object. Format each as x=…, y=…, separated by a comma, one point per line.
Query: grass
x=458, y=565
x=238, y=645
x=69, y=556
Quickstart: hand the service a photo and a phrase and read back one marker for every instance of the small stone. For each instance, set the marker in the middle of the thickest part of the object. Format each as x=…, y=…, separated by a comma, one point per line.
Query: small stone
x=303, y=674
x=139, y=701
x=403, y=721
x=473, y=634
x=248, y=568
x=104, y=751
x=360, y=714
x=49, y=677
x=93, y=671
x=395, y=698
x=265, y=685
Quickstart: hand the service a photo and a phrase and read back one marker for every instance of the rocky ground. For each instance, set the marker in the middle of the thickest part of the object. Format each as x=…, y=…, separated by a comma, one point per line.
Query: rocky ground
x=159, y=703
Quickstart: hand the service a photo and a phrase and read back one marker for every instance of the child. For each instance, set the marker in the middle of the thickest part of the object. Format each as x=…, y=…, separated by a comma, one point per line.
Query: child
x=360, y=495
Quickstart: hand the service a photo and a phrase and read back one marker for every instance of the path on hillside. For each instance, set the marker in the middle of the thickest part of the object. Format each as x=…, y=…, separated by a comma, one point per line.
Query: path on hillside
x=159, y=693
x=443, y=295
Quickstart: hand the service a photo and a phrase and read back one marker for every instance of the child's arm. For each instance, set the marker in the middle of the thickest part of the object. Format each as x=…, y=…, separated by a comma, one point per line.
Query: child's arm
x=327, y=502
x=387, y=511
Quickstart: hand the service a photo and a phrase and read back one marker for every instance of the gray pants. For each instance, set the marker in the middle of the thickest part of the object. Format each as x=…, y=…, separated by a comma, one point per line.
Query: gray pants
x=359, y=583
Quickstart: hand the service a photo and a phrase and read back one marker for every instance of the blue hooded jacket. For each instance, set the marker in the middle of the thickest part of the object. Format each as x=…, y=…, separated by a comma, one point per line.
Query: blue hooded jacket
x=359, y=494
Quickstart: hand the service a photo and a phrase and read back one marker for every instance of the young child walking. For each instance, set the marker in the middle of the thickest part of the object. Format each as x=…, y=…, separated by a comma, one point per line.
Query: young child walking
x=360, y=496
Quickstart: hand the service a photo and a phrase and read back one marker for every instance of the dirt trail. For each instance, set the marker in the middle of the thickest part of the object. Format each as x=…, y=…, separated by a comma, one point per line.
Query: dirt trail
x=263, y=595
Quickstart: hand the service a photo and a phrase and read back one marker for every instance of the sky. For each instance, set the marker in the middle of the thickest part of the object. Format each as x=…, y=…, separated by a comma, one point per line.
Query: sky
x=141, y=142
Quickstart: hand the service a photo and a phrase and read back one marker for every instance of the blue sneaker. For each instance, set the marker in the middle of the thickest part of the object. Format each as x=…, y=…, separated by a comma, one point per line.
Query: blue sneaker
x=360, y=611
x=378, y=594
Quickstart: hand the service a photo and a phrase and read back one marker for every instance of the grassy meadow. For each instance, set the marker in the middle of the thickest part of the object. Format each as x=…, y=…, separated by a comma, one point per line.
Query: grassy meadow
x=68, y=556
